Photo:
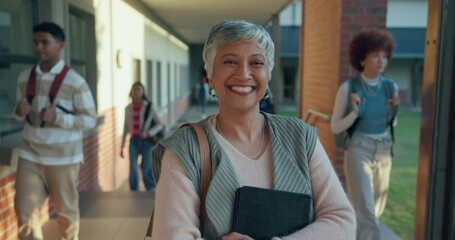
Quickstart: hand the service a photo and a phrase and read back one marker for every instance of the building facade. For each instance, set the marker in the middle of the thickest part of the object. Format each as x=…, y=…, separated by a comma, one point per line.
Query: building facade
x=406, y=67
x=111, y=44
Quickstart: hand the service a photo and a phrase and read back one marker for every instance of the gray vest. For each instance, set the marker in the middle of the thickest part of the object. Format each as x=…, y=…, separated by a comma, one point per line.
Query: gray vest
x=292, y=145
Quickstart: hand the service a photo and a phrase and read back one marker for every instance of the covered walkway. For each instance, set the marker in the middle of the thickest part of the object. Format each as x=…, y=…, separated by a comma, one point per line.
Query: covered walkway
x=120, y=214
x=123, y=214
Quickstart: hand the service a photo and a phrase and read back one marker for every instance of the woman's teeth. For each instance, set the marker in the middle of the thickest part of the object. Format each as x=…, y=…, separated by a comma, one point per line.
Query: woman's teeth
x=242, y=89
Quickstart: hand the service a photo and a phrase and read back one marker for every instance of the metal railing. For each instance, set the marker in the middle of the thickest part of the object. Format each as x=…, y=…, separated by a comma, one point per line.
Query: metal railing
x=319, y=115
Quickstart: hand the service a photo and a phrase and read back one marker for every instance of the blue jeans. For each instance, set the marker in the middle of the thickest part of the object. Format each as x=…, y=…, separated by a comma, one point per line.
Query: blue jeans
x=139, y=146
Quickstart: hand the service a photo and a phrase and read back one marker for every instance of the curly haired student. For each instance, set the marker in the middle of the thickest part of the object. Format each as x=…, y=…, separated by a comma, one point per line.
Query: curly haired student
x=367, y=104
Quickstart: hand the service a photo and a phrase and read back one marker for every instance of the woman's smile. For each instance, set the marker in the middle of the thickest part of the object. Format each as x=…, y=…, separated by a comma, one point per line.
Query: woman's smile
x=242, y=89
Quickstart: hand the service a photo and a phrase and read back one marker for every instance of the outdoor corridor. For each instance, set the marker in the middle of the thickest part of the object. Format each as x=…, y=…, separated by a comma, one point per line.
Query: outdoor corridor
x=124, y=215
x=121, y=214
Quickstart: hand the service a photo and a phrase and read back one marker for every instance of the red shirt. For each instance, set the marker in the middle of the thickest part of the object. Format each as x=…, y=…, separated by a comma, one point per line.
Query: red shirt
x=137, y=119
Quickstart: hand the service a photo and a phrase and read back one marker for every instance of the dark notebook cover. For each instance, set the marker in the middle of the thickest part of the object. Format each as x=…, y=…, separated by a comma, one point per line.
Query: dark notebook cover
x=263, y=213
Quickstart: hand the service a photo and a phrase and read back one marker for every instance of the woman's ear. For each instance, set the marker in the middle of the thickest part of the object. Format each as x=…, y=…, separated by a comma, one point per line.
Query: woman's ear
x=211, y=84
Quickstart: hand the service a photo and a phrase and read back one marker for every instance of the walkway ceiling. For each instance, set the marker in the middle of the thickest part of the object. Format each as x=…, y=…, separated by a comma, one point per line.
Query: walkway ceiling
x=193, y=19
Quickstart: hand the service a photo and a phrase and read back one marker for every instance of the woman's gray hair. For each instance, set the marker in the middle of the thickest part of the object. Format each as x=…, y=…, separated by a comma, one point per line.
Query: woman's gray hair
x=234, y=32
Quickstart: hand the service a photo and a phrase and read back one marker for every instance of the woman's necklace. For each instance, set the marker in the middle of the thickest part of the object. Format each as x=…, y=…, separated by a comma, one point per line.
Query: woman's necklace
x=256, y=155
x=368, y=89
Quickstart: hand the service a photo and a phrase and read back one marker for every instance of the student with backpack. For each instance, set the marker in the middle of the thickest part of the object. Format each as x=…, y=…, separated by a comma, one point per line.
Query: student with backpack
x=56, y=105
x=144, y=126
x=365, y=107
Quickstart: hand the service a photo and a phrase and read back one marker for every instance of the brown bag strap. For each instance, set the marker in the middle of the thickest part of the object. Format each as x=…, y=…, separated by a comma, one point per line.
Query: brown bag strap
x=206, y=173
x=205, y=166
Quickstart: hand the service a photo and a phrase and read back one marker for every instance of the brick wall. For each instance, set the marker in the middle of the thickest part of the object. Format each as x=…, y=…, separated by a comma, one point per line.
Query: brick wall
x=328, y=26
x=8, y=221
x=357, y=15
x=8, y=226
x=103, y=169
x=320, y=51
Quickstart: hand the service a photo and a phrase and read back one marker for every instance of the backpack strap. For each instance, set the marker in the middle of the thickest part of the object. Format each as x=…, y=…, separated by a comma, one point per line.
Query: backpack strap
x=146, y=113
x=31, y=88
x=389, y=87
x=354, y=87
x=56, y=84
x=205, y=174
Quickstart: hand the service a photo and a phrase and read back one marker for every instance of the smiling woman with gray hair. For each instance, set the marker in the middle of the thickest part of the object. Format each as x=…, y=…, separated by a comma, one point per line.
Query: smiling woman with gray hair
x=248, y=148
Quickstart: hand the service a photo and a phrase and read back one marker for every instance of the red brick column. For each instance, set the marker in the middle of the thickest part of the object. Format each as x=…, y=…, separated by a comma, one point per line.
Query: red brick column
x=327, y=28
x=8, y=225
x=103, y=169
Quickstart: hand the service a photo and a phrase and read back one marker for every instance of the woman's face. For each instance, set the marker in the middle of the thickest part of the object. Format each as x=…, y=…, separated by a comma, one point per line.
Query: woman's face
x=137, y=92
x=240, y=76
x=375, y=63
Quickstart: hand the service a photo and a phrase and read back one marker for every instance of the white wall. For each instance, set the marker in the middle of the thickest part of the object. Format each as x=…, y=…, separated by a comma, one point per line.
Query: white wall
x=124, y=34
x=407, y=13
x=104, y=54
x=292, y=14
x=138, y=37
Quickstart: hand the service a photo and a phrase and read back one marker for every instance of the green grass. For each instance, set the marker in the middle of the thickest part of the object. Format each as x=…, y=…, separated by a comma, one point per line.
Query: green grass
x=400, y=210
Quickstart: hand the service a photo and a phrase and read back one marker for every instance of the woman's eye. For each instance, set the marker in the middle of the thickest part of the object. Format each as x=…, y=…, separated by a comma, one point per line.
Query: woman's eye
x=257, y=63
x=229, y=62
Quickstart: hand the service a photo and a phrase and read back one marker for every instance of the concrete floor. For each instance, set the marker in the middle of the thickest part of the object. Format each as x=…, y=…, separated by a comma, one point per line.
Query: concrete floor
x=122, y=214
x=115, y=215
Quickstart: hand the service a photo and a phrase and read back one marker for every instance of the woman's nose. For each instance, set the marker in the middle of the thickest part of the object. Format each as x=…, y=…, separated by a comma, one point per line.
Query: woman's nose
x=243, y=71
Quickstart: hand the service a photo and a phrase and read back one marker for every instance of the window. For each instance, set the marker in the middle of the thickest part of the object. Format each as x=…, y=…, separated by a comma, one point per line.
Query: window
x=176, y=82
x=16, y=50
x=289, y=84
x=169, y=97
x=182, y=81
x=159, y=87
x=136, y=70
x=150, y=86
x=82, y=46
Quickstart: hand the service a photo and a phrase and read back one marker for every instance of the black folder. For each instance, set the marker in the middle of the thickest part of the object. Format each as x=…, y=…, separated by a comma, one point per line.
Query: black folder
x=263, y=213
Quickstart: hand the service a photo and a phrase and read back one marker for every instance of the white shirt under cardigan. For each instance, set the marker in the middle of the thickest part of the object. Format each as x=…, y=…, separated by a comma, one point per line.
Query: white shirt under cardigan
x=175, y=193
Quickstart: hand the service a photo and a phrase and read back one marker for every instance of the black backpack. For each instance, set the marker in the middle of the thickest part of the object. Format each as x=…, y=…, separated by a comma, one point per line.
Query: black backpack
x=159, y=135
